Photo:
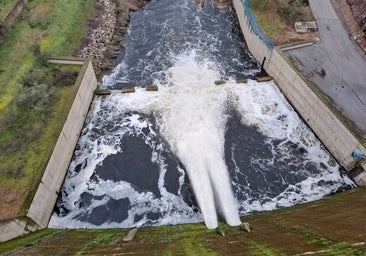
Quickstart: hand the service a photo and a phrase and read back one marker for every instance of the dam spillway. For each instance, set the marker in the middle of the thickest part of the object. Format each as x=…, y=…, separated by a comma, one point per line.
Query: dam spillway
x=192, y=151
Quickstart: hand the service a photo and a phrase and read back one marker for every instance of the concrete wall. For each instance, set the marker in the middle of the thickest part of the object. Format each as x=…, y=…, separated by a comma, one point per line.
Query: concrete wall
x=41, y=208
x=67, y=60
x=12, y=228
x=338, y=139
x=6, y=24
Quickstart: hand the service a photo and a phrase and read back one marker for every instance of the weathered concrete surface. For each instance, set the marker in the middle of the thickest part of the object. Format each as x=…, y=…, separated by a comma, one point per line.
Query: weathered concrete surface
x=40, y=210
x=325, y=124
x=331, y=226
x=335, y=65
x=12, y=228
x=67, y=60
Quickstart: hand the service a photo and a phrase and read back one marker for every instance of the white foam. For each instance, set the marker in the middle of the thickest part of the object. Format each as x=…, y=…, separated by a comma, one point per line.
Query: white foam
x=191, y=114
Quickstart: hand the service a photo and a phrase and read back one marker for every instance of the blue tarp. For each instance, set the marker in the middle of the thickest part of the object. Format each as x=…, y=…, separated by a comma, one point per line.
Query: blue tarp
x=255, y=26
x=357, y=155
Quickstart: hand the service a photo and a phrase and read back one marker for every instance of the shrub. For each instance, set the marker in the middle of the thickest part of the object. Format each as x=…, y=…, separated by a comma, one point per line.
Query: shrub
x=61, y=77
x=35, y=97
x=33, y=77
x=294, y=10
x=40, y=57
x=260, y=5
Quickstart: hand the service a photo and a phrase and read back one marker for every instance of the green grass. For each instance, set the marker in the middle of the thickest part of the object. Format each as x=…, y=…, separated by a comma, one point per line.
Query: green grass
x=67, y=26
x=191, y=240
x=28, y=134
x=259, y=249
x=332, y=246
x=27, y=241
x=6, y=7
x=270, y=27
x=270, y=23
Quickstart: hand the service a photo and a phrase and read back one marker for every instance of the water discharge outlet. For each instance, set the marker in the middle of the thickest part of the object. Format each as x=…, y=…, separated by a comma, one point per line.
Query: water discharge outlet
x=191, y=151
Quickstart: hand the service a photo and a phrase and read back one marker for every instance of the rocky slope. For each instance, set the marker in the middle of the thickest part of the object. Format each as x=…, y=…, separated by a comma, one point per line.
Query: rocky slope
x=106, y=30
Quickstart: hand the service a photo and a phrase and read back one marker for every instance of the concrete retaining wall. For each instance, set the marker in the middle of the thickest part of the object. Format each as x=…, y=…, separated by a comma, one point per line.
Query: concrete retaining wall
x=338, y=139
x=6, y=24
x=67, y=60
x=41, y=209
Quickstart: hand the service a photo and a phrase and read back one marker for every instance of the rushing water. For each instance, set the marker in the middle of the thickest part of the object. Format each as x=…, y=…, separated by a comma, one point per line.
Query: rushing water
x=192, y=151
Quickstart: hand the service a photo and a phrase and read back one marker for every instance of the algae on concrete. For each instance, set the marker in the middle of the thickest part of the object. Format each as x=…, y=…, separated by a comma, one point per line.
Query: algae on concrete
x=334, y=225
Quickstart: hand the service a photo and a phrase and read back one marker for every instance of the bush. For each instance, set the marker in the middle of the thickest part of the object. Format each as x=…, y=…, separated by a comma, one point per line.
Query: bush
x=33, y=77
x=39, y=57
x=62, y=77
x=50, y=76
x=35, y=97
x=294, y=10
x=260, y=5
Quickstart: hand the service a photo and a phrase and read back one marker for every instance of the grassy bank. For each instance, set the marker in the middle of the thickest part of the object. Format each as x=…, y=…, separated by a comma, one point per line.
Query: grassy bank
x=276, y=19
x=35, y=97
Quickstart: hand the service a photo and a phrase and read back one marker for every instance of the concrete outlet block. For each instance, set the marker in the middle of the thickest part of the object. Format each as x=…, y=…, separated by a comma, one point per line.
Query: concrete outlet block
x=241, y=80
x=152, y=88
x=102, y=92
x=128, y=90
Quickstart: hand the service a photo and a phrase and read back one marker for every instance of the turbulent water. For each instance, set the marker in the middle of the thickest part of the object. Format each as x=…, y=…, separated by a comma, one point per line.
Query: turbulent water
x=192, y=151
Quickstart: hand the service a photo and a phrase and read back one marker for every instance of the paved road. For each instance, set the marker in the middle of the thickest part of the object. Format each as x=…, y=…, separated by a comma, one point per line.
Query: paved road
x=335, y=65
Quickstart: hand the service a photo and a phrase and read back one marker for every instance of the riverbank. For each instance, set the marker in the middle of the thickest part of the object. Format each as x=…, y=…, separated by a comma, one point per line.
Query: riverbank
x=106, y=29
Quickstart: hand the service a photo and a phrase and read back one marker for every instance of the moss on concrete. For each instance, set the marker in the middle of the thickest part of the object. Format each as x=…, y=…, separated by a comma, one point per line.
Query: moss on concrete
x=332, y=226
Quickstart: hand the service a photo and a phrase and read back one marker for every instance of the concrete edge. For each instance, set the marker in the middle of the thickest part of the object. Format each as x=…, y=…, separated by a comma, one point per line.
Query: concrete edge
x=12, y=228
x=288, y=47
x=66, y=60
